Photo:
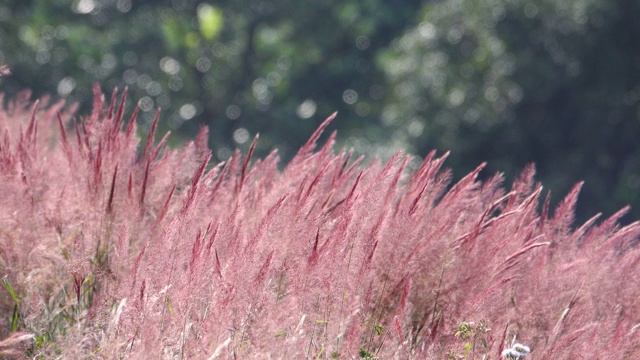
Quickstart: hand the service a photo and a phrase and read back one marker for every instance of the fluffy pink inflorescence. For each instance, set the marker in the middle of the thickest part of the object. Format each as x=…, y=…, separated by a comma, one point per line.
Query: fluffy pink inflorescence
x=119, y=250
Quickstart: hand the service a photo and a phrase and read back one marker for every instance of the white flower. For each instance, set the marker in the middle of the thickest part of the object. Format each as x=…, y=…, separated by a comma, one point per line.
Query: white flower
x=517, y=351
x=521, y=348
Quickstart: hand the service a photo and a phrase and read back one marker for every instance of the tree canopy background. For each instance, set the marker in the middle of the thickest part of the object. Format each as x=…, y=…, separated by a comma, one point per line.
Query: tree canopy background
x=504, y=81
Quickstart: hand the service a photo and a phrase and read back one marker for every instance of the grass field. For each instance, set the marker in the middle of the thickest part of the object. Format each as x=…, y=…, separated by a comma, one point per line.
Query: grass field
x=112, y=246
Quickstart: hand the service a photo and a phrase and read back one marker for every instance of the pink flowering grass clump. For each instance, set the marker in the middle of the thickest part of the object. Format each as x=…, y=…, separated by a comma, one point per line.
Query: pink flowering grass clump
x=112, y=247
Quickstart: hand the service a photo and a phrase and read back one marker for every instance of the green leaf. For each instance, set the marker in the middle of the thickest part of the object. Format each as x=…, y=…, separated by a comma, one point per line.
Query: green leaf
x=191, y=40
x=364, y=354
x=14, y=318
x=379, y=329
x=467, y=347
x=169, y=306
x=9, y=288
x=172, y=34
x=210, y=20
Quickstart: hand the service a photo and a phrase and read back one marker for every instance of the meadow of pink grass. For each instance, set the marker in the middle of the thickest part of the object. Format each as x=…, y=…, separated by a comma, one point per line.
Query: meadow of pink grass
x=115, y=249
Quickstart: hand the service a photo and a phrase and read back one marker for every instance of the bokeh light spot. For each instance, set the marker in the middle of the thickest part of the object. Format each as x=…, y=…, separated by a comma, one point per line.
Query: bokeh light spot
x=306, y=109
x=233, y=112
x=175, y=83
x=241, y=135
x=203, y=64
x=350, y=96
x=362, y=42
x=169, y=65
x=154, y=88
x=187, y=111
x=146, y=103
x=83, y=6
x=66, y=85
x=284, y=63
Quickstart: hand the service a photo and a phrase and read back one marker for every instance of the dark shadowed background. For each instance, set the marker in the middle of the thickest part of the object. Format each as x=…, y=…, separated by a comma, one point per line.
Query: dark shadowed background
x=510, y=82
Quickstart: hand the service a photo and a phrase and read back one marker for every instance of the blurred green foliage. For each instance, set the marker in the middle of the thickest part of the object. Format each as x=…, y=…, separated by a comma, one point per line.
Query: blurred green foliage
x=551, y=82
x=504, y=81
x=240, y=67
